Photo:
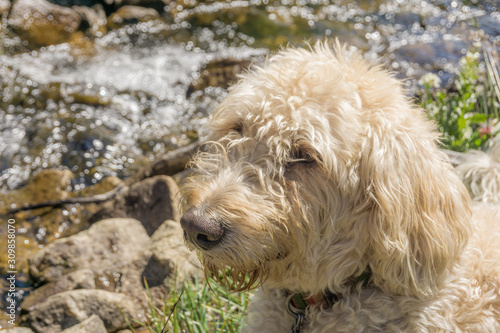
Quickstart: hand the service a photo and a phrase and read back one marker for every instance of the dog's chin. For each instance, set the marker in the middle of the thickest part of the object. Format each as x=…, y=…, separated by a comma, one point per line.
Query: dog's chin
x=238, y=275
x=236, y=278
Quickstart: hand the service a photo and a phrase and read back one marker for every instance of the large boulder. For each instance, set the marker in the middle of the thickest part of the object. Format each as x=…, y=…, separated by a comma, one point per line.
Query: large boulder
x=169, y=250
x=151, y=201
x=42, y=23
x=164, y=262
x=81, y=279
x=105, y=248
x=70, y=308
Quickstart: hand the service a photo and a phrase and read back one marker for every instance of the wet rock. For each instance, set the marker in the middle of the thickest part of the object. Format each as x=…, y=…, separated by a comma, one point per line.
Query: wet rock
x=151, y=201
x=159, y=5
x=4, y=7
x=81, y=279
x=42, y=23
x=93, y=19
x=105, y=248
x=93, y=324
x=70, y=308
x=218, y=73
x=45, y=186
x=131, y=15
x=425, y=54
x=48, y=185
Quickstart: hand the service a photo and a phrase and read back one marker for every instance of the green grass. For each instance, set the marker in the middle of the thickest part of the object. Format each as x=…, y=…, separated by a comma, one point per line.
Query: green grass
x=195, y=307
x=467, y=113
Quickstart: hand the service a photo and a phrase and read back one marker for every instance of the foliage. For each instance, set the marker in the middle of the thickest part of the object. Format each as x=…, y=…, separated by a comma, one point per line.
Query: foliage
x=195, y=307
x=467, y=114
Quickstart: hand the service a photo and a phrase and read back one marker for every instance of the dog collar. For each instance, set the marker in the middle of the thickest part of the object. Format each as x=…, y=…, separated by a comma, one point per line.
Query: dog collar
x=299, y=302
x=296, y=303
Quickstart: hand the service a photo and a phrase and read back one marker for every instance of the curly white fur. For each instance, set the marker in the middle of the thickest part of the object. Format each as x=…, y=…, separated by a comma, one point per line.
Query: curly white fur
x=481, y=173
x=319, y=169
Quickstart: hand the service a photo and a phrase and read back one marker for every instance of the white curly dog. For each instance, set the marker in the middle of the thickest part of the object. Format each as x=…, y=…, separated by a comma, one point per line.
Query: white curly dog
x=322, y=184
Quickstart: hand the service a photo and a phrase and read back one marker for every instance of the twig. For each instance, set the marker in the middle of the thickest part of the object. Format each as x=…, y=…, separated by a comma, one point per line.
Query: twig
x=80, y=200
x=168, y=164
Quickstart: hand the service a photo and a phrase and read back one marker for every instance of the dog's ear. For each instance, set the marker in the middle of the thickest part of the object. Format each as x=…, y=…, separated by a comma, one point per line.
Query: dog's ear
x=417, y=210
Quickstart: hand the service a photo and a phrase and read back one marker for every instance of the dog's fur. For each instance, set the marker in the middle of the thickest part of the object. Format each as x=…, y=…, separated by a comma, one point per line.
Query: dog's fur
x=320, y=170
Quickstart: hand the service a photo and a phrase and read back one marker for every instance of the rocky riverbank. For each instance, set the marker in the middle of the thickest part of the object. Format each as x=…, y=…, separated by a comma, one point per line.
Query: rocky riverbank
x=94, y=279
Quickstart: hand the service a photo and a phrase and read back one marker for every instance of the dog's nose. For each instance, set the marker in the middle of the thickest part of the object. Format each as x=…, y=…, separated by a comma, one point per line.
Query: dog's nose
x=201, y=229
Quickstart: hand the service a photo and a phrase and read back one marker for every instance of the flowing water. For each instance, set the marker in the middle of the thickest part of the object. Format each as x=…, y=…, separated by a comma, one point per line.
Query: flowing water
x=111, y=110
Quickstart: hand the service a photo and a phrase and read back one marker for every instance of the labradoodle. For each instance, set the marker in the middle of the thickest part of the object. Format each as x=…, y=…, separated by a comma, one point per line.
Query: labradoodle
x=323, y=186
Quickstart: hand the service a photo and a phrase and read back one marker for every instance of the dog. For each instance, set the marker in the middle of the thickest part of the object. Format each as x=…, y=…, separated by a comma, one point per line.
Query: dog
x=323, y=186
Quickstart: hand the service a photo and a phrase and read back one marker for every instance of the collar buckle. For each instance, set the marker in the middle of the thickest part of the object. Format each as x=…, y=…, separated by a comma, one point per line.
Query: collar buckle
x=295, y=312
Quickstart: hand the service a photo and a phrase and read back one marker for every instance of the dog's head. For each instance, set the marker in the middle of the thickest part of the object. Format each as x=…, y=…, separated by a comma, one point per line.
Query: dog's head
x=319, y=168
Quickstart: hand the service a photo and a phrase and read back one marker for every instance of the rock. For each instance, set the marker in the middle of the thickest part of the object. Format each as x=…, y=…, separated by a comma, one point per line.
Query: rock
x=93, y=19
x=169, y=250
x=93, y=324
x=17, y=330
x=42, y=23
x=81, y=279
x=165, y=261
x=151, y=201
x=105, y=248
x=425, y=54
x=46, y=186
x=131, y=15
x=51, y=184
x=4, y=7
x=159, y=5
x=70, y=308
x=218, y=73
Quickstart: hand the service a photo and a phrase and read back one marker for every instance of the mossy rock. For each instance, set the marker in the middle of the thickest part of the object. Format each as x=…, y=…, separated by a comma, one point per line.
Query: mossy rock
x=42, y=23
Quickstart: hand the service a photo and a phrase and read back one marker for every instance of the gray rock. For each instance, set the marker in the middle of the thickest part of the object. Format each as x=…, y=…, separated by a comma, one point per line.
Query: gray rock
x=17, y=330
x=165, y=261
x=70, y=308
x=105, y=248
x=151, y=201
x=92, y=324
x=81, y=279
x=169, y=250
x=42, y=23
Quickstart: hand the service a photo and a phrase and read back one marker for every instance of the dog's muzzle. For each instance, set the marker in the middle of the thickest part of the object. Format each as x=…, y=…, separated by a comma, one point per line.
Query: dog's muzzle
x=201, y=229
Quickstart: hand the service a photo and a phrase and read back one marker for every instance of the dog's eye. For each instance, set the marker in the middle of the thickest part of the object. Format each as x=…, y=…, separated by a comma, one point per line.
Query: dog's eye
x=238, y=127
x=304, y=156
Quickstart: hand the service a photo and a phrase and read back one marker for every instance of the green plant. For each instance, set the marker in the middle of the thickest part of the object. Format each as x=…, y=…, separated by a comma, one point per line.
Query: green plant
x=195, y=307
x=468, y=114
